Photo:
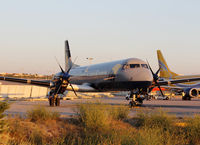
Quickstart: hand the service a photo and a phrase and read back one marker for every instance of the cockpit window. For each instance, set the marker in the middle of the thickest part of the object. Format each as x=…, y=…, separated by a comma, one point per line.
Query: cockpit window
x=128, y=66
x=134, y=65
x=144, y=66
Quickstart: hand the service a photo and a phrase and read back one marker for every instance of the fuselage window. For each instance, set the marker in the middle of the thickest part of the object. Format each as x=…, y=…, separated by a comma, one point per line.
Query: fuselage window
x=145, y=66
x=134, y=65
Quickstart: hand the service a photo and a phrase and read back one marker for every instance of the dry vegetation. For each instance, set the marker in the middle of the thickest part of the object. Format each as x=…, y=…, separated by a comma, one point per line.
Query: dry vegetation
x=99, y=124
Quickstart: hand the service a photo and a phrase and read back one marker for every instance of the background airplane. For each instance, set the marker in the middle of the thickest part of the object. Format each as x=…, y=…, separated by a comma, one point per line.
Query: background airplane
x=189, y=89
x=131, y=74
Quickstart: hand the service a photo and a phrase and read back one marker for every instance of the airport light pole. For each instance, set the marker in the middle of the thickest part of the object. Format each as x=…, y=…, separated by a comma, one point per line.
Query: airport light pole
x=90, y=60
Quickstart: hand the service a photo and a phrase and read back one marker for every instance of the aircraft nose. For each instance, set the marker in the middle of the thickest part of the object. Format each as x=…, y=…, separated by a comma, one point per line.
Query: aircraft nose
x=139, y=75
x=144, y=76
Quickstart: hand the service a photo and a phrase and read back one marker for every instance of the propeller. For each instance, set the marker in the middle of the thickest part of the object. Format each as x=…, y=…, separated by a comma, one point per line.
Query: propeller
x=65, y=76
x=155, y=79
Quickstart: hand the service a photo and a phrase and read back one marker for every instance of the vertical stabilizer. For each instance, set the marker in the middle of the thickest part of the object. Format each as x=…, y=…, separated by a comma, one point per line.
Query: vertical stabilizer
x=68, y=61
x=165, y=72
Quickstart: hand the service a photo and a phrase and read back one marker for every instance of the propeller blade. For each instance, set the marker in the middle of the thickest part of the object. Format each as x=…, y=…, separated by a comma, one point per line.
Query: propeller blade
x=73, y=63
x=158, y=71
x=73, y=89
x=150, y=68
x=62, y=69
x=59, y=87
x=160, y=89
x=69, y=69
x=150, y=89
x=59, y=65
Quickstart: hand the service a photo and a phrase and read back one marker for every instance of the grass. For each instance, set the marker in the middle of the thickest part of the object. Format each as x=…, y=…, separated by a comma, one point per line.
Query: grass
x=41, y=114
x=154, y=119
x=193, y=129
x=3, y=107
x=101, y=124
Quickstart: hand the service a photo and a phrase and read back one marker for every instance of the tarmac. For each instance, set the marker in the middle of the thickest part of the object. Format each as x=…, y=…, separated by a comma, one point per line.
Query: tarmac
x=67, y=109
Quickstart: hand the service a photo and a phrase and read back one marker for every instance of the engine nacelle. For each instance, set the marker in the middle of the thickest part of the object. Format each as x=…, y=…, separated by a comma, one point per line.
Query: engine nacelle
x=192, y=92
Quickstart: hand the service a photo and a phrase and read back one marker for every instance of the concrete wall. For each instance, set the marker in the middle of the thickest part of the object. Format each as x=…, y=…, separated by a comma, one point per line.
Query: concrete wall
x=22, y=91
x=36, y=92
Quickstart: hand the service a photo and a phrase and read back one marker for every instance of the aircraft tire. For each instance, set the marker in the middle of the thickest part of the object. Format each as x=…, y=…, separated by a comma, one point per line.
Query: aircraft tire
x=140, y=100
x=51, y=102
x=186, y=98
x=132, y=103
x=135, y=103
x=57, y=102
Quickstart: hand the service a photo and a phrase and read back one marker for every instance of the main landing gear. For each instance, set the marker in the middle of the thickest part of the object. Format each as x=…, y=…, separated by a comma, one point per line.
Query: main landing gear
x=136, y=99
x=186, y=97
x=54, y=100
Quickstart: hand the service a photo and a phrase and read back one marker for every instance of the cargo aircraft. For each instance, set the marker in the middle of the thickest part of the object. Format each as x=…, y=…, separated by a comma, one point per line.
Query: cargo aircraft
x=132, y=74
x=189, y=90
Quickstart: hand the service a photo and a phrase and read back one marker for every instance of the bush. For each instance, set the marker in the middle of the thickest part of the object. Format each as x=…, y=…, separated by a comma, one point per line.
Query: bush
x=98, y=116
x=119, y=112
x=154, y=119
x=93, y=116
x=41, y=114
x=3, y=107
x=22, y=131
x=157, y=127
x=193, y=129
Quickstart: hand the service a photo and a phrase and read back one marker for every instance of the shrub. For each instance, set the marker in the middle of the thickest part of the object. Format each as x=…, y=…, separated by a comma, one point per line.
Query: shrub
x=119, y=112
x=193, y=129
x=154, y=119
x=156, y=136
x=157, y=127
x=98, y=116
x=41, y=114
x=22, y=131
x=3, y=107
x=93, y=116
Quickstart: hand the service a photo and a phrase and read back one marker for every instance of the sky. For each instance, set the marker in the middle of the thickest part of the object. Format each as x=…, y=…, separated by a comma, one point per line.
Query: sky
x=32, y=33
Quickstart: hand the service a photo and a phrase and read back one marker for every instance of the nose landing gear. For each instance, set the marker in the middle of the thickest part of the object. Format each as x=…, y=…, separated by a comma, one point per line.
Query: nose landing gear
x=136, y=99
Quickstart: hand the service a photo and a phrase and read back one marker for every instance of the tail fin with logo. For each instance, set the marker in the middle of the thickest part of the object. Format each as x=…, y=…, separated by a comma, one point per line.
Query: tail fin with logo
x=165, y=72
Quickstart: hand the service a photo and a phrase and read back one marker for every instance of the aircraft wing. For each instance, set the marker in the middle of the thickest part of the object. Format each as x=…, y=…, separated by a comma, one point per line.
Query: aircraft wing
x=43, y=83
x=47, y=83
x=168, y=82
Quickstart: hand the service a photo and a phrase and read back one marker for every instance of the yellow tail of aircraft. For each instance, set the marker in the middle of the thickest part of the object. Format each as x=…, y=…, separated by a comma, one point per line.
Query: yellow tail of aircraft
x=165, y=72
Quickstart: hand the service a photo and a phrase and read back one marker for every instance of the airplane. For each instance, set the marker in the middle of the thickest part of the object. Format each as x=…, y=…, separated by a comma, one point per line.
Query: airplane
x=189, y=90
x=132, y=74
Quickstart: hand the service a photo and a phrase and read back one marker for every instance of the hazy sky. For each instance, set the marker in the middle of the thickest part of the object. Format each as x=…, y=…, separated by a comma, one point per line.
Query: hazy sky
x=33, y=32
